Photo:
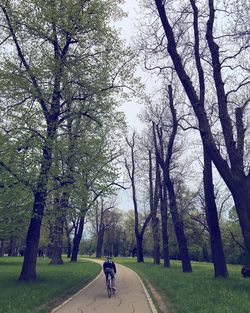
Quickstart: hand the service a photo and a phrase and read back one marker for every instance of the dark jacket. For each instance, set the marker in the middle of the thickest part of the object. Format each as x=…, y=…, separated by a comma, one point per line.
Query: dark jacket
x=110, y=265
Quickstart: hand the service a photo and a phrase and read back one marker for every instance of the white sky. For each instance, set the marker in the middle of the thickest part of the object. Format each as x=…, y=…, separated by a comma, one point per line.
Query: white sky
x=131, y=108
x=128, y=32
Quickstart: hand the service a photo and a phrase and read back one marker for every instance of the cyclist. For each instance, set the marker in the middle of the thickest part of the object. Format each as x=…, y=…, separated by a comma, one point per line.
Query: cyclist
x=110, y=268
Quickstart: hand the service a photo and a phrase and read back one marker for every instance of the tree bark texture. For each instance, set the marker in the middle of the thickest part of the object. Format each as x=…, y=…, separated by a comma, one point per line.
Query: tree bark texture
x=68, y=232
x=60, y=206
x=12, y=249
x=28, y=272
x=164, y=224
x=154, y=201
x=2, y=247
x=77, y=239
x=139, y=249
x=100, y=240
x=69, y=248
x=178, y=226
x=218, y=257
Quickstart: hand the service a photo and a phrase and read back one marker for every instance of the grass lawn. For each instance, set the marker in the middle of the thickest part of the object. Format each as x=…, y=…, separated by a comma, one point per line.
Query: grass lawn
x=54, y=284
x=197, y=292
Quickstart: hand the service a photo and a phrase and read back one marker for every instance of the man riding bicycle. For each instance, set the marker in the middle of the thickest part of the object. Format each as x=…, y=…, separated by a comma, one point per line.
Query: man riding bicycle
x=110, y=268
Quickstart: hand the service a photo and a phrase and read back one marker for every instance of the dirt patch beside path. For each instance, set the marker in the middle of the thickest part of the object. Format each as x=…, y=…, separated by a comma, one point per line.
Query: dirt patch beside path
x=158, y=299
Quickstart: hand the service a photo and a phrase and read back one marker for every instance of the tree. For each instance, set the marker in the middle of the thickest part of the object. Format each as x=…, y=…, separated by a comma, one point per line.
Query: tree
x=230, y=161
x=164, y=159
x=158, y=198
x=98, y=217
x=164, y=223
x=74, y=59
x=139, y=230
x=112, y=239
x=154, y=197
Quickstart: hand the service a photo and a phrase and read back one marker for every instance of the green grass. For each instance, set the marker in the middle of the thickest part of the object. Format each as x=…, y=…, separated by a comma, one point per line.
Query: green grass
x=197, y=292
x=54, y=284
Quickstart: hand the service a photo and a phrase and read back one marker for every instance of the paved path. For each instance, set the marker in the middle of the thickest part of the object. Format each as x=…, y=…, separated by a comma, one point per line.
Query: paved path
x=130, y=296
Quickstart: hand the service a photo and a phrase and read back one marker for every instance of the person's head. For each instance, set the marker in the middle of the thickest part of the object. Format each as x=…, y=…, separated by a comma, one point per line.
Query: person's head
x=108, y=259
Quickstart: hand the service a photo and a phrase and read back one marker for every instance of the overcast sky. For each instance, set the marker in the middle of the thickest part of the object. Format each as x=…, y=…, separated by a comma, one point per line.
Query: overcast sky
x=128, y=32
x=131, y=108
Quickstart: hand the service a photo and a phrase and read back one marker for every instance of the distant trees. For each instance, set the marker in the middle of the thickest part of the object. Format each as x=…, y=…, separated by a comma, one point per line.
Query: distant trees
x=14, y=217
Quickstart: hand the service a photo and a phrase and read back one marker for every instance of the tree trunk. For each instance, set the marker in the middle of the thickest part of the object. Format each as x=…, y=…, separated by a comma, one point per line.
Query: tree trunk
x=242, y=201
x=77, y=239
x=164, y=225
x=154, y=201
x=57, y=242
x=56, y=233
x=139, y=249
x=178, y=226
x=28, y=272
x=68, y=232
x=205, y=254
x=138, y=234
x=60, y=206
x=12, y=251
x=69, y=246
x=220, y=267
x=2, y=247
x=100, y=239
x=155, y=223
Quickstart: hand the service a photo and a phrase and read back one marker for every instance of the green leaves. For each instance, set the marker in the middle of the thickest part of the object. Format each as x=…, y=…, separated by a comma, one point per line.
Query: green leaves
x=62, y=66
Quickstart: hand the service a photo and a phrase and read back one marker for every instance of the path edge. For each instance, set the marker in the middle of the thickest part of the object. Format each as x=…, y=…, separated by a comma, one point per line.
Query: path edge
x=149, y=298
x=76, y=294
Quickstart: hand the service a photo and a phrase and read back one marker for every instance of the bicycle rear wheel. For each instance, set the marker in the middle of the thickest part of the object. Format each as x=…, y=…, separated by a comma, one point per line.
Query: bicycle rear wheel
x=109, y=289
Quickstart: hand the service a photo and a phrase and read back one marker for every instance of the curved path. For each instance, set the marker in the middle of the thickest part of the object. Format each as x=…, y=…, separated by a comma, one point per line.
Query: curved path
x=130, y=297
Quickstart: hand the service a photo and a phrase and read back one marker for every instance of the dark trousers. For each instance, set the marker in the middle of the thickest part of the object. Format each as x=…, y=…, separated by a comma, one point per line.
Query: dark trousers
x=112, y=274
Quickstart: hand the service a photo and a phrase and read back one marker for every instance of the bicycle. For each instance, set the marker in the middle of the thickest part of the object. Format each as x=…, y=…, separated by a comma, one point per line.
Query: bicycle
x=110, y=290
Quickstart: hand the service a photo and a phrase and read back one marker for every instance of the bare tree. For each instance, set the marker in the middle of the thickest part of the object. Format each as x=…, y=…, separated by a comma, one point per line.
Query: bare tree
x=164, y=159
x=154, y=197
x=229, y=162
x=139, y=230
x=101, y=223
